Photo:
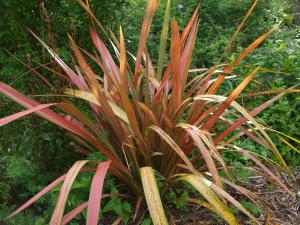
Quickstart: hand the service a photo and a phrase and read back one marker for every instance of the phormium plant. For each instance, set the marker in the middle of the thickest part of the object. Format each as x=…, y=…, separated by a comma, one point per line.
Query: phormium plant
x=158, y=120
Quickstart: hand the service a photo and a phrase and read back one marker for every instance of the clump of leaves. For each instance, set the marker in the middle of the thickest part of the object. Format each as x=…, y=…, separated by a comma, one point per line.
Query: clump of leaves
x=155, y=120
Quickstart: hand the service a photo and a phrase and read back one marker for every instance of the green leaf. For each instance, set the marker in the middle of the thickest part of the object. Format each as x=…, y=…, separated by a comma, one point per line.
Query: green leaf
x=126, y=211
x=126, y=207
x=40, y=221
x=147, y=221
x=114, y=205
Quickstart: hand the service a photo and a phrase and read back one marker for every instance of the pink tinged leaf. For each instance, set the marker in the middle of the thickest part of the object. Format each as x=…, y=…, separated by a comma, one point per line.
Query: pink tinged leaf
x=123, y=61
x=38, y=195
x=76, y=80
x=150, y=10
x=210, y=122
x=8, y=119
x=118, y=220
x=105, y=56
x=45, y=113
x=57, y=215
x=264, y=168
x=74, y=121
x=42, y=193
x=150, y=71
x=205, y=114
x=255, y=138
x=193, y=132
x=54, y=118
x=166, y=76
x=95, y=193
x=206, y=80
x=187, y=29
x=227, y=196
x=81, y=77
x=244, y=119
x=246, y=52
x=175, y=52
x=187, y=53
x=108, y=79
x=71, y=215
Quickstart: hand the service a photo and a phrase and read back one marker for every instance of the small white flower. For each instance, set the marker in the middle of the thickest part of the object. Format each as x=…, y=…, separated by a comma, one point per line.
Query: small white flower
x=180, y=6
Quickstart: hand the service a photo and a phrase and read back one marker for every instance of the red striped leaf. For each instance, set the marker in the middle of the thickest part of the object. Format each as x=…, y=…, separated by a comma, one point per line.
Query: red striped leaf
x=73, y=213
x=76, y=80
x=95, y=194
x=209, y=123
x=150, y=10
x=10, y=118
x=42, y=193
x=58, y=213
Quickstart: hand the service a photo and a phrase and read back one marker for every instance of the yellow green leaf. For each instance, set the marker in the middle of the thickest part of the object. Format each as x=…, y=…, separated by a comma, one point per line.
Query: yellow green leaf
x=152, y=196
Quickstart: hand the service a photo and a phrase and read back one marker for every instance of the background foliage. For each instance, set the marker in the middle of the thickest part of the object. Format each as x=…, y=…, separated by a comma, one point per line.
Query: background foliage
x=28, y=147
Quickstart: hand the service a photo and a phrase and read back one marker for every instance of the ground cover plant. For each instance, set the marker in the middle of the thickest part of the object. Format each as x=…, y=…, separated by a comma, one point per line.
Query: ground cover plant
x=158, y=126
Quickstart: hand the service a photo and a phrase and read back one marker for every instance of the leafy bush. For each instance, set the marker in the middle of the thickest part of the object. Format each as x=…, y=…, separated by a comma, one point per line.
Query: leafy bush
x=157, y=126
x=218, y=20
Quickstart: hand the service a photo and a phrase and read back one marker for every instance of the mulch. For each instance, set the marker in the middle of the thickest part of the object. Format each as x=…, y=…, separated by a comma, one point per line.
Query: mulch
x=284, y=209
